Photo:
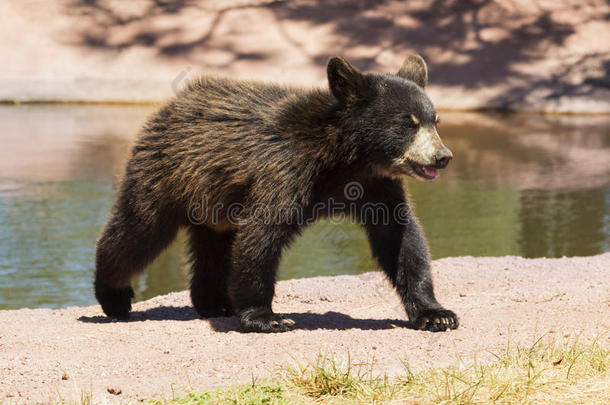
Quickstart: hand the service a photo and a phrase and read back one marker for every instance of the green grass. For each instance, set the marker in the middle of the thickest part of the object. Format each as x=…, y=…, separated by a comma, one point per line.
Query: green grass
x=541, y=373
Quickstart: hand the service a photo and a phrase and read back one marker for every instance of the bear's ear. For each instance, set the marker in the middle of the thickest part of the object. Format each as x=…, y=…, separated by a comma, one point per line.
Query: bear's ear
x=414, y=68
x=344, y=80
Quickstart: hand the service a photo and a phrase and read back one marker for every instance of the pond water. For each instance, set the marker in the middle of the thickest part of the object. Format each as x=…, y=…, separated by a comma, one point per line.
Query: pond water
x=523, y=185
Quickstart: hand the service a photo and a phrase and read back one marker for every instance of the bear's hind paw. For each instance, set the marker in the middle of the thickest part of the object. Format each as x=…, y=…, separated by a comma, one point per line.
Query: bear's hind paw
x=116, y=303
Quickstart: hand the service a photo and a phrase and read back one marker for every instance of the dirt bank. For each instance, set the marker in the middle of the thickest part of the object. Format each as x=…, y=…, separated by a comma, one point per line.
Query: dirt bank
x=166, y=349
x=519, y=54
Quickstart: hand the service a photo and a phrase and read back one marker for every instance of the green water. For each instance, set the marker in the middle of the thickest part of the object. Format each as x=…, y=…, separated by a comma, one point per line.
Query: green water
x=519, y=185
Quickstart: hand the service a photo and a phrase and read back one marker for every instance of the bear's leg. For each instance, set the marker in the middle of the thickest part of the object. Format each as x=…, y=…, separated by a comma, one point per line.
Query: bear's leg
x=402, y=253
x=211, y=257
x=130, y=241
x=256, y=254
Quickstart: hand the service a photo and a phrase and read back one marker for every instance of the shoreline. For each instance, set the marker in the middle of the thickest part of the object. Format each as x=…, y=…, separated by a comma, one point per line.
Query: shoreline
x=165, y=348
x=153, y=103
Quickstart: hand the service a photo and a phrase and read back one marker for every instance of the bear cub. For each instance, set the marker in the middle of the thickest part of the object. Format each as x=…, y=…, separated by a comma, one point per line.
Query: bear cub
x=258, y=162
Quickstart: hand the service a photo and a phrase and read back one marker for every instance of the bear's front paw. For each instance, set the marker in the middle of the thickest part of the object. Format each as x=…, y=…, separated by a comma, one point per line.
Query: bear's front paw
x=115, y=302
x=264, y=321
x=436, y=320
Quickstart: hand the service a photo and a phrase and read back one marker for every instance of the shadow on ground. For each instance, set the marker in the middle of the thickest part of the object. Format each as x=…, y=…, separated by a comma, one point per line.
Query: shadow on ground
x=304, y=321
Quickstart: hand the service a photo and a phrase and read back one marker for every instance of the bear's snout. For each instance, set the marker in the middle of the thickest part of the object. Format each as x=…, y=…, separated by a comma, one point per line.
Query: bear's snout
x=442, y=157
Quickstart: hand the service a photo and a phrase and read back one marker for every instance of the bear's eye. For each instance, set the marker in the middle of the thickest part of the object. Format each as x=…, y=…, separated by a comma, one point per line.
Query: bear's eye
x=411, y=122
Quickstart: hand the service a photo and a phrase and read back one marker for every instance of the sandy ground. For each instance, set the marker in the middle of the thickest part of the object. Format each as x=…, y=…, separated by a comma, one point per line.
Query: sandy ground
x=521, y=54
x=165, y=350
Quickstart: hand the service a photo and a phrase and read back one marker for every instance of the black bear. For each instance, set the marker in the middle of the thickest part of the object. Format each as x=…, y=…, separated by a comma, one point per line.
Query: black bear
x=282, y=156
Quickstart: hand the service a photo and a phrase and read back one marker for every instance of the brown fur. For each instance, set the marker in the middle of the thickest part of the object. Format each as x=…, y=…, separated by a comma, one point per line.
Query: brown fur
x=222, y=142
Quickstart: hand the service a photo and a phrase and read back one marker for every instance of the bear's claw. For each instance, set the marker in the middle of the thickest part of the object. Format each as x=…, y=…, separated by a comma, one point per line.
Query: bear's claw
x=436, y=320
x=264, y=321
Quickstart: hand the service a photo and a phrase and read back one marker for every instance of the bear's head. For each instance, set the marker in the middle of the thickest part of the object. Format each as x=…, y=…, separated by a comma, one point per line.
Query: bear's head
x=391, y=117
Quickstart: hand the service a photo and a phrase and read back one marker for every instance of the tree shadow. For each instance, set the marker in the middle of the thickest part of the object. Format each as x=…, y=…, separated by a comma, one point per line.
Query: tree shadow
x=488, y=40
x=304, y=321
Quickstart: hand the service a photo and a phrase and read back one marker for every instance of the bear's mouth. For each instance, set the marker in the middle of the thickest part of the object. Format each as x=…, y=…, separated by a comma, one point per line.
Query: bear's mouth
x=428, y=172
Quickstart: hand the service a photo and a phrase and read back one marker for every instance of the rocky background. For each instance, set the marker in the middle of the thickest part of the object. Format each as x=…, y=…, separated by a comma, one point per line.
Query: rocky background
x=551, y=56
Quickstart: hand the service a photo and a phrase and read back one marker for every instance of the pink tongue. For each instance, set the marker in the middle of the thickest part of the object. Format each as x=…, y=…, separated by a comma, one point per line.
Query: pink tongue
x=430, y=171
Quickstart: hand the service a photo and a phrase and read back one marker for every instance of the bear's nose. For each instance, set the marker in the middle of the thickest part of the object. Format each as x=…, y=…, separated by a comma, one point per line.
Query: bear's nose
x=442, y=157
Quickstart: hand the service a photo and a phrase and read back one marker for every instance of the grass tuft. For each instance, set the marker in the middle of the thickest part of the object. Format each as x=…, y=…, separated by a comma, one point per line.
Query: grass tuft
x=541, y=373
x=264, y=393
x=326, y=379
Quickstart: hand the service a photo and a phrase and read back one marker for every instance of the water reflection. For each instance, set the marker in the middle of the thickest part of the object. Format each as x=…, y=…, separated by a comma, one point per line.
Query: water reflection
x=561, y=223
x=519, y=185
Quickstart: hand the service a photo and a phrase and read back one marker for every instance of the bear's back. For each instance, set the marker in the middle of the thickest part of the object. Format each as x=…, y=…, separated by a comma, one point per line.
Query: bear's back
x=226, y=100
x=216, y=136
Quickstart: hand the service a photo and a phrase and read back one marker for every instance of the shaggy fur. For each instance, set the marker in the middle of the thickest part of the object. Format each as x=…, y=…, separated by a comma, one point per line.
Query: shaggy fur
x=258, y=162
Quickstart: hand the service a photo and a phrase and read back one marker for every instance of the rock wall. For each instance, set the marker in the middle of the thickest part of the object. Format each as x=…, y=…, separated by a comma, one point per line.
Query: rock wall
x=509, y=54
